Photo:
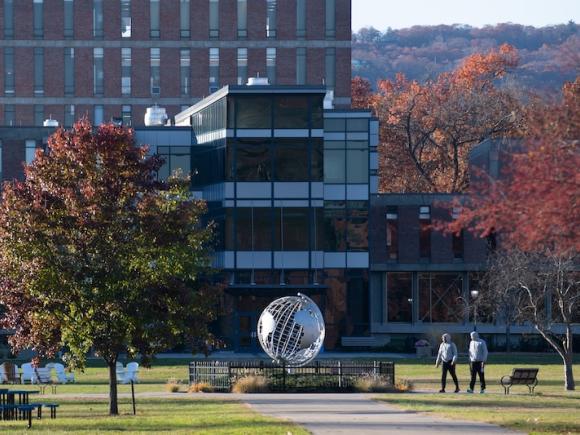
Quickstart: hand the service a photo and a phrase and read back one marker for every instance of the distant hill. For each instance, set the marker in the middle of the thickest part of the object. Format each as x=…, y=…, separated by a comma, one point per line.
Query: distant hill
x=548, y=55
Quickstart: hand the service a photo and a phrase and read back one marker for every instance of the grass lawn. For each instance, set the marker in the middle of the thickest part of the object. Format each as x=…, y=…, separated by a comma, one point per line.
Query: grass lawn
x=550, y=410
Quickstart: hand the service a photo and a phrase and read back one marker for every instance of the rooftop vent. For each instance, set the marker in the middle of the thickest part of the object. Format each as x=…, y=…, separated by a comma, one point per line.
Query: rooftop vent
x=155, y=116
x=50, y=123
x=258, y=81
x=329, y=100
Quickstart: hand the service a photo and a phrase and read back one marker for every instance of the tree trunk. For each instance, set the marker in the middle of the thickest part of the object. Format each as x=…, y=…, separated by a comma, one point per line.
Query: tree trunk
x=568, y=373
x=113, y=405
x=508, y=345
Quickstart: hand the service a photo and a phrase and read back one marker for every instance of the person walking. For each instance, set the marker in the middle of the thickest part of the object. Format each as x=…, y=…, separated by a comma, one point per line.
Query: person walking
x=477, y=359
x=447, y=355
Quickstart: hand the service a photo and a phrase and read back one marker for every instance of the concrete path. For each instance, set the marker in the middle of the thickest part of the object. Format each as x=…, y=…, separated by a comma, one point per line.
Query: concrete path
x=358, y=414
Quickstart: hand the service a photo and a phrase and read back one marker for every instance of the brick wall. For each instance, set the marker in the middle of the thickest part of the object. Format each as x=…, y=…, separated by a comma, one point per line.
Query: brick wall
x=286, y=66
x=83, y=72
x=112, y=69
x=53, y=19
x=53, y=72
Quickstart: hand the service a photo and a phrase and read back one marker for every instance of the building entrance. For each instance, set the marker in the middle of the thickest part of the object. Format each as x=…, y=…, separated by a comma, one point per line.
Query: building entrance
x=246, y=332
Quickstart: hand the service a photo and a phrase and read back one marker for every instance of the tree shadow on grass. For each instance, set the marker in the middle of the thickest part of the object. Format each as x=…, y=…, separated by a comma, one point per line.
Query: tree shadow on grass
x=466, y=403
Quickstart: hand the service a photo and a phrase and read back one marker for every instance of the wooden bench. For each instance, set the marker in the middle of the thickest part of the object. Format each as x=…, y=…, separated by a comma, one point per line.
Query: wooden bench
x=528, y=377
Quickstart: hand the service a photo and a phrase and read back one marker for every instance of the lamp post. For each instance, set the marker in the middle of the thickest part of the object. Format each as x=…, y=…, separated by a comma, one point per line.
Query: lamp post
x=474, y=295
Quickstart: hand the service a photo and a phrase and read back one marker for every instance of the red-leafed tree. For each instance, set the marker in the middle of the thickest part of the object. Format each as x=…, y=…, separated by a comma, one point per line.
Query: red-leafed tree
x=427, y=130
x=534, y=209
x=361, y=93
x=96, y=254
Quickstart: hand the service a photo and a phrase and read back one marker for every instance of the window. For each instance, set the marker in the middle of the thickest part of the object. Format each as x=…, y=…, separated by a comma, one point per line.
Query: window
x=457, y=238
x=38, y=18
x=69, y=71
x=357, y=230
x=8, y=19
x=155, y=62
x=392, y=233
x=253, y=160
x=98, y=115
x=69, y=16
x=185, y=71
x=291, y=229
x=330, y=68
x=9, y=116
x=38, y=71
x=330, y=16
x=357, y=162
x=126, y=115
x=334, y=162
x=317, y=159
x=335, y=226
x=98, y=73
x=439, y=297
x=300, y=19
x=154, y=19
x=98, y=18
x=38, y=115
x=8, y=71
x=125, y=18
x=291, y=112
x=214, y=69
x=184, y=20
x=125, y=71
x=69, y=115
x=271, y=65
x=425, y=232
x=242, y=19
x=254, y=229
x=242, y=66
x=30, y=151
x=271, y=10
x=214, y=19
x=177, y=161
x=400, y=297
x=301, y=66
x=291, y=163
x=253, y=112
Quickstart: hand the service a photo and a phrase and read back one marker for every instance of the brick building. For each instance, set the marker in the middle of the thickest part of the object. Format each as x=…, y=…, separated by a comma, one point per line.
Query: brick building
x=113, y=58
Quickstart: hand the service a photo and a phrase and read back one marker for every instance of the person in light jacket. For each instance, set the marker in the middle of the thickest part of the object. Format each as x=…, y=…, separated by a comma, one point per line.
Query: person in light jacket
x=477, y=359
x=447, y=355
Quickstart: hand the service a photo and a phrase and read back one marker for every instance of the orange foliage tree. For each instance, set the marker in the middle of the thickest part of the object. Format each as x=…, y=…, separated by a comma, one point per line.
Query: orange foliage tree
x=361, y=93
x=427, y=130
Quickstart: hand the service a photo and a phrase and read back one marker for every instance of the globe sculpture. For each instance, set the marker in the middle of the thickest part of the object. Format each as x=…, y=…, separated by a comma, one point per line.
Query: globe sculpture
x=291, y=330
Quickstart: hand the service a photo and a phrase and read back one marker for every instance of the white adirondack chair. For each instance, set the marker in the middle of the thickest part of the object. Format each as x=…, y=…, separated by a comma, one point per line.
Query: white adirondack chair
x=120, y=372
x=131, y=373
x=61, y=375
x=9, y=373
x=27, y=373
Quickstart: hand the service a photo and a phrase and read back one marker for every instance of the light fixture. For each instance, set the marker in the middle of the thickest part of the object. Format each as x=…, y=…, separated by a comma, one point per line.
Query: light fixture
x=474, y=293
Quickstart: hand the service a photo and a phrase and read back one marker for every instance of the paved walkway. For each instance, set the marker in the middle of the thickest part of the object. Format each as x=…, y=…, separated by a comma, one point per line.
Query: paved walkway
x=358, y=414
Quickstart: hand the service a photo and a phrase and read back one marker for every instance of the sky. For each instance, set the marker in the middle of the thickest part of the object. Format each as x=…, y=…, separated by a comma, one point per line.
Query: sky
x=398, y=14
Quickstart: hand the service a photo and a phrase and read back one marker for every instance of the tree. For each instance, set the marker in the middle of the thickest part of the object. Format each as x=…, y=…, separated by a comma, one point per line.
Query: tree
x=534, y=209
x=96, y=254
x=427, y=130
x=361, y=93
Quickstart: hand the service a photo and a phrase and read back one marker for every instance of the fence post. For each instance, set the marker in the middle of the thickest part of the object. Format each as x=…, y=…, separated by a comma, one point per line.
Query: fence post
x=339, y=374
x=284, y=377
x=229, y=375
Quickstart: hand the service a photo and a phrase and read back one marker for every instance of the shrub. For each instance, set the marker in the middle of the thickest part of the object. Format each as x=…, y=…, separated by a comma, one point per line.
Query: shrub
x=200, y=387
x=250, y=384
x=373, y=384
x=173, y=385
x=404, y=385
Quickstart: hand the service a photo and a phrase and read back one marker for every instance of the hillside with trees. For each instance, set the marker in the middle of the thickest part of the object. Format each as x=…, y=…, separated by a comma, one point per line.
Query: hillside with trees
x=548, y=56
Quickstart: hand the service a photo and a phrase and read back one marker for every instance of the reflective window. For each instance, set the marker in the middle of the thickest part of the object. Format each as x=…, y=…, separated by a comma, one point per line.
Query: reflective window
x=184, y=19
x=126, y=71
x=254, y=229
x=8, y=19
x=439, y=297
x=357, y=235
x=457, y=238
x=335, y=125
x=9, y=115
x=301, y=19
x=271, y=65
x=335, y=224
x=214, y=19
x=392, y=233
x=177, y=161
x=125, y=18
x=425, y=232
x=242, y=19
x=330, y=16
x=99, y=115
x=98, y=73
x=185, y=71
x=357, y=301
x=214, y=69
x=30, y=151
x=301, y=66
x=291, y=111
x=291, y=229
x=242, y=66
x=155, y=61
x=357, y=166
x=357, y=124
x=334, y=162
x=38, y=18
x=126, y=115
x=69, y=71
x=154, y=19
x=38, y=115
x=69, y=115
x=253, y=160
x=8, y=71
x=291, y=163
x=98, y=18
x=253, y=112
x=317, y=160
x=271, y=11
x=330, y=68
x=400, y=297
x=69, y=17
x=38, y=71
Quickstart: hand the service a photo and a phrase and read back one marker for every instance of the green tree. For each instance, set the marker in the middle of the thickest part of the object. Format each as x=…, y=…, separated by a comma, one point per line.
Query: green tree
x=96, y=254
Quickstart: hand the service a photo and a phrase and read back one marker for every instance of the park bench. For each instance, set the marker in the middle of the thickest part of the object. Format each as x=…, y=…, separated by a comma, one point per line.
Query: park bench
x=528, y=377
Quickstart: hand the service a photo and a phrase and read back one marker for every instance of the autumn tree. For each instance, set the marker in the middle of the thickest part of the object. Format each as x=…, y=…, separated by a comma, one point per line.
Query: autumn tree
x=95, y=254
x=427, y=130
x=361, y=93
x=533, y=208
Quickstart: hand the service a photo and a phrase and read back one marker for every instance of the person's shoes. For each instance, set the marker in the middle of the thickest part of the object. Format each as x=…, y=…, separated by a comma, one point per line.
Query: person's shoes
x=470, y=391
x=482, y=391
x=441, y=390
x=457, y=390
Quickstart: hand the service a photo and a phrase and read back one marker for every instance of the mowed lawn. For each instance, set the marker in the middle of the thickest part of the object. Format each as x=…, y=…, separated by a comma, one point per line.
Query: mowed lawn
x=550, y=410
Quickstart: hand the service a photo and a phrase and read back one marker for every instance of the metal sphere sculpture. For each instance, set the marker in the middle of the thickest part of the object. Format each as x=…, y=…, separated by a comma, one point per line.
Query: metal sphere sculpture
x=291, y=330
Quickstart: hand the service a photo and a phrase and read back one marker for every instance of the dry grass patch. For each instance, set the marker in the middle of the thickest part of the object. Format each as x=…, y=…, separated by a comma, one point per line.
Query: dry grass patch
x=250, y=384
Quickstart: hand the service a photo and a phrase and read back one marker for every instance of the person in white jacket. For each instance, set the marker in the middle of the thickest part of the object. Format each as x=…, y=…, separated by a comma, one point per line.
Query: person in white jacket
x=477, y=359
x=447, y=355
